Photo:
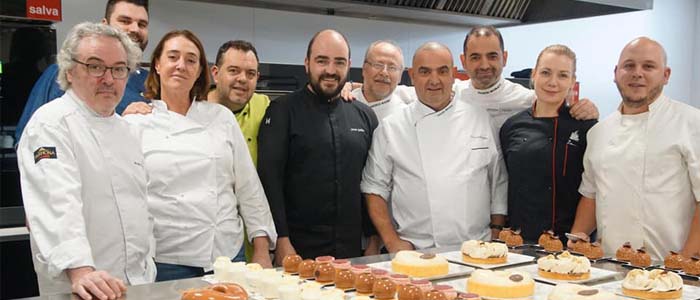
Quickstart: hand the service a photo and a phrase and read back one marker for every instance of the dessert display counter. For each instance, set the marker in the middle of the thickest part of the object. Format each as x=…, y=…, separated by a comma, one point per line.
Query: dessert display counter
x=174, y=289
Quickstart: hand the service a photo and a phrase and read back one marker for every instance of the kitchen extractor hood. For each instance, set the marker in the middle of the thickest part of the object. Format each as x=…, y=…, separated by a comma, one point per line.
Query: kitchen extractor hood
x=461, y=13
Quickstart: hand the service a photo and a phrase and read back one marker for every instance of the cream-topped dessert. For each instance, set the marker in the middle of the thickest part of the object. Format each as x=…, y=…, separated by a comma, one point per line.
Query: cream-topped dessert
x=654, y=284
x=501, y=284
x=480, y=252
x=568, y=291
x=418, y=264
x=564, y=267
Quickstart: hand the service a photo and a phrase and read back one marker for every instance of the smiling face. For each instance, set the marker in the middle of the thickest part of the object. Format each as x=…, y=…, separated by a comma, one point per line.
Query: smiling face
x=553, y=77
x=641, y=72
x=132, y=19
x=101, y=94
x=484, y=60
x=178, y=65
x=379, y=84
x=432, y=76
x=327, y=64
x=236, y=78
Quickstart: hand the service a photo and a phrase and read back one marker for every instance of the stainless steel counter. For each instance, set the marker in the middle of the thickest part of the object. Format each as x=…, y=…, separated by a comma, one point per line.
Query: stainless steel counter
x=171, y=290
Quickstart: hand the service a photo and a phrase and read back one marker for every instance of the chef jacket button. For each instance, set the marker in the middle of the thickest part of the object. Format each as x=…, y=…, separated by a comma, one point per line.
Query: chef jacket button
x=549, y=188
x=549, y=139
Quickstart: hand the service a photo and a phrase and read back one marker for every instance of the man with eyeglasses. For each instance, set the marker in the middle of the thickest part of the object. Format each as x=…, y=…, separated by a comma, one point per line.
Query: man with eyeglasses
x=82, y=176
x=438, y=162
x=130, y=16
x=381, y=73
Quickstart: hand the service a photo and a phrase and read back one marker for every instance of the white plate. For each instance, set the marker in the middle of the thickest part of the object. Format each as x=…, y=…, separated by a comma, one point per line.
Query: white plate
x=541, y=289
x=454, y=270
x=513, y=259
x=596, y=274
x=689, y=292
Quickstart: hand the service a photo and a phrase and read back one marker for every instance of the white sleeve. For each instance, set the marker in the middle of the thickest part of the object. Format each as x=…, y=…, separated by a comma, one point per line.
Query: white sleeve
x=52, y=194
x=252, y=202
x=588, y=186
x=376, y=176
x=498, y=175
x=692, y=158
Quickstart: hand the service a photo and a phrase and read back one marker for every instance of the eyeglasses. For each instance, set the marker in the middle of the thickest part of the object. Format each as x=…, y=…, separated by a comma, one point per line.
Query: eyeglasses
x=98, y=70
x=380, y=67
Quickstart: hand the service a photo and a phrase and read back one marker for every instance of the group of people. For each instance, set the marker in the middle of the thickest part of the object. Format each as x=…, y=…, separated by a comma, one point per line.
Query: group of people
x=130, y=175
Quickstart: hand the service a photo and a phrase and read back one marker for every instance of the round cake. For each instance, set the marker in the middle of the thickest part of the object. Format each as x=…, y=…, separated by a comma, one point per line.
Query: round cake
x=416, y=264
x=654, y=284
x=479, y=252
x=564, y=267
x=568, y=291
x=641, y=258
x=501, y=284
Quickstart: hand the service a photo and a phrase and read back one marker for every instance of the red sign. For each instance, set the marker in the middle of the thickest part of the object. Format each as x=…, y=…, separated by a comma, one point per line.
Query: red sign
x=44, y=10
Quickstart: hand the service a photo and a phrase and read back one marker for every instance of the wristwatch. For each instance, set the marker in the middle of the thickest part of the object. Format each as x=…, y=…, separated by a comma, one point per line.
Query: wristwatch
x=496, y=226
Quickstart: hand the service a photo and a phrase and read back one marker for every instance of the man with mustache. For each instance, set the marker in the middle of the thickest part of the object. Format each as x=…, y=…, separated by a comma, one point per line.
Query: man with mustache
x=641, y=182
x=381, y=72
x=131, y=16
x=439, y=161
x=82, y=176
x=311, y=150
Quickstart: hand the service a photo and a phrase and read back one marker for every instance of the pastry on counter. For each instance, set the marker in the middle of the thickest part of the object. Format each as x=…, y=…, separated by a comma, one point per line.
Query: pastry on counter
x=654, y=284
x=564, y=267
x=227, y=291
x=449, y=291
x=568, y=291
x=692, y=266
x=324, y=272
x=505, y=233
x=416, y=264
x=479, y=252
x=344, y=279
x=515, y=239
x=595, y=251
x=435, y=295
x=364, y=282
x=291, y=263
x=306, y=268
x=582, y=246
x=467, y=296
x=501, y=284
x=674, y=261
x=410, y=292
x=641, y=258
x=550, y=241
x=625, y=252
x=384, y=289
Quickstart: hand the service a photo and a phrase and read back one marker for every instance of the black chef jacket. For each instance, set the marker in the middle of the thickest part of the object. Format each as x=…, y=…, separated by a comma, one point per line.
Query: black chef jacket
x=543, y=195
x=311, y=152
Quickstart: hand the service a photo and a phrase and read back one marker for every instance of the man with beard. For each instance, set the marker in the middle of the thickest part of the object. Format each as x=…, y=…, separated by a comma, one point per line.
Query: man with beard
x=131, y=16
x=381, y=72
x=312, y=147
x=642, y=166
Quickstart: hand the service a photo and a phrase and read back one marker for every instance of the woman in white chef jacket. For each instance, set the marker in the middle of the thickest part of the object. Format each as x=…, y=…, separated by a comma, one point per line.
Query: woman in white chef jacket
x=201, y=180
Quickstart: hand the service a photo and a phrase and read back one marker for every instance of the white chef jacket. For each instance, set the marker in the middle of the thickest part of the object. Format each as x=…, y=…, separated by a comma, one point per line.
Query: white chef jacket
x=501, y=101
x=201, y=181
x=381, y=108
x=443, y=170
x=644, y=173
x=86, y=199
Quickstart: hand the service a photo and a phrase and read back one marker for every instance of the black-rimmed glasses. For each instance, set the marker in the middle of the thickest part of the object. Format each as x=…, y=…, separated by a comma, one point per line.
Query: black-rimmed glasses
x=98, y=70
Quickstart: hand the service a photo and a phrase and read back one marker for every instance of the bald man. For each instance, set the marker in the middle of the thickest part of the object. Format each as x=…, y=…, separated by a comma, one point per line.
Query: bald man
x=440, y=162
x=311, y=150
x=642, y=166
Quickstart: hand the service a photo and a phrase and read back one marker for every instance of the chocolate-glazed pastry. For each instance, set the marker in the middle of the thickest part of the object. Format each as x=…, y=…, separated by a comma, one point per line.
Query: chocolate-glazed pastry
x=410, y=292
x=307, y=268
x=291, y=263
x=324, y=273
x=344, y=279
x=595, y=251
x=625, y=252
x=435, y=295
x=674, y=261
x=692, y=266
x=384, y=288
x=364, y=282
x=514, y=239
x=641, y=258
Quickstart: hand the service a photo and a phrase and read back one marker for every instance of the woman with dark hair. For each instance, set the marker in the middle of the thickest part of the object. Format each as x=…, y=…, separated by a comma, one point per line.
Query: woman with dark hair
x=543, y=149
x=202, y=184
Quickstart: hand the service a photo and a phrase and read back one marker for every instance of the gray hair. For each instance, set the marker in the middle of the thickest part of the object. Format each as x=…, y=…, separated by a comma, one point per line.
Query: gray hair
x=388, y=42
x=69, y=49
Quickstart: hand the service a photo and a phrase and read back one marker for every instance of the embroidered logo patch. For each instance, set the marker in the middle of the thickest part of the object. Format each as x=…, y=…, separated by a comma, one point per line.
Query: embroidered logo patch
x=357, y=130
x=44, y=152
